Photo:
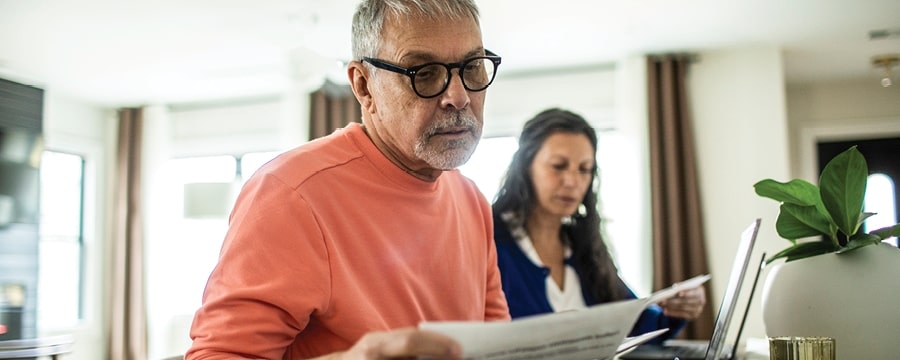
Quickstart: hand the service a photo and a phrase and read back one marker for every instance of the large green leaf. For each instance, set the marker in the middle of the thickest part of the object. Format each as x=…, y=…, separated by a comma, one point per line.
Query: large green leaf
x=843, y=188
x=797, y=191
x=887, y=232
x=804, y=250
x=858, y=241
x=796, y=222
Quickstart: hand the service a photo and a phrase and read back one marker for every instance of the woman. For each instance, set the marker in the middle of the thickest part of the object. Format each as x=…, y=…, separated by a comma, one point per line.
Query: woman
x=547, y=230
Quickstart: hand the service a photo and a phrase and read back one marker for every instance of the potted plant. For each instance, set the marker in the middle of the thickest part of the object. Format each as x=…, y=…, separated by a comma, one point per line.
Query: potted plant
x=833, y=210
x=842, y=283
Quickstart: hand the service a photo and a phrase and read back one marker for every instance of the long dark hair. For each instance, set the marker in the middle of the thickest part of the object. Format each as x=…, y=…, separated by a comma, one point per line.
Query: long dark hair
x=590, y=256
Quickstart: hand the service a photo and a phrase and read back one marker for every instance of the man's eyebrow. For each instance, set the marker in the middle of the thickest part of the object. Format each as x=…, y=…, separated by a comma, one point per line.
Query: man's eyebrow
x=415, y=56
x=475, y=52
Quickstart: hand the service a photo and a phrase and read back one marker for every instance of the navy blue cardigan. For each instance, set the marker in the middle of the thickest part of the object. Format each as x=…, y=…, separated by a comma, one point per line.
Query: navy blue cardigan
x=524, y=284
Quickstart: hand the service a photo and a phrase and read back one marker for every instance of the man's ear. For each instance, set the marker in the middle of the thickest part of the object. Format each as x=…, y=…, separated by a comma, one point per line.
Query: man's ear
x=359, y=83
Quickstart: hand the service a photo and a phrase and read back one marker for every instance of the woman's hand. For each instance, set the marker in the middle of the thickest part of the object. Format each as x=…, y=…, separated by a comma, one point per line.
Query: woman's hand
x=687, y=304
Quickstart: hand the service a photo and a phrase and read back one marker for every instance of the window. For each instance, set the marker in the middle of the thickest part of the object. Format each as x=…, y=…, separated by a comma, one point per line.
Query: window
x=251, y=162
x=199, y=197
x=880, y=195
x=184, y=237
x=194, y=205
x=488, y=164
x=61, y=240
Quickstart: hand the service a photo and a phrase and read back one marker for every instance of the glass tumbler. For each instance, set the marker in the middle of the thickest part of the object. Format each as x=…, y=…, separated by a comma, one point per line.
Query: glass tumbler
x=801, y=348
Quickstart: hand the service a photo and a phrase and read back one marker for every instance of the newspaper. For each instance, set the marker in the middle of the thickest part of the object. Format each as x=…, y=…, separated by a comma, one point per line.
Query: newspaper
x=631, y=342
x=598, y=332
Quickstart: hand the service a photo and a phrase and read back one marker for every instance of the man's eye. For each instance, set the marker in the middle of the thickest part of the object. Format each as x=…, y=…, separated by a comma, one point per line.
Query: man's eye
x=474, y=66
x=430, y=73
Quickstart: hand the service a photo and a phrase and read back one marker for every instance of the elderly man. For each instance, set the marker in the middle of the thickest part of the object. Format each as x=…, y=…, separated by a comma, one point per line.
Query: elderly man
x=340, y=247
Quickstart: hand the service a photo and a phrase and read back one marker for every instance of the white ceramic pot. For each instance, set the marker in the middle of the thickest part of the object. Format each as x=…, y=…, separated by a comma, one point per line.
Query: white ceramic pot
x=852, y=297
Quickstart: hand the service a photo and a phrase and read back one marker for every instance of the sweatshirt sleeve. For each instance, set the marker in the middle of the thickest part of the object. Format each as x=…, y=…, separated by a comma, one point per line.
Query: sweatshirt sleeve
x=272, y=275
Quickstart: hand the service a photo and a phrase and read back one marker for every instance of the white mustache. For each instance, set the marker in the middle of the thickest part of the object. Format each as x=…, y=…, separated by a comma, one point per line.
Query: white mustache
x=453, y=120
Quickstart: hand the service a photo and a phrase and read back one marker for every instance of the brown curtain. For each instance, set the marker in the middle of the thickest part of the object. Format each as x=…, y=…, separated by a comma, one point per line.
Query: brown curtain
x=127, y=319
x=678, y=242
x=332, y=107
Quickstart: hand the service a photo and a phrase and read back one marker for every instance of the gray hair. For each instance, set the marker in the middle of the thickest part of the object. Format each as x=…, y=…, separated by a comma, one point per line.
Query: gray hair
x=368, y=21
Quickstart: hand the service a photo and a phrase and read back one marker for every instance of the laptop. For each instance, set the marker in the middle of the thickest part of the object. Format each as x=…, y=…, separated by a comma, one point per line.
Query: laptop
x=715, y=348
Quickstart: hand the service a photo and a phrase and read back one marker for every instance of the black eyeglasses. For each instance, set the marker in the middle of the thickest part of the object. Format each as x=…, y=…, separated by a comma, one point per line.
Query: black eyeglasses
x=431, y=79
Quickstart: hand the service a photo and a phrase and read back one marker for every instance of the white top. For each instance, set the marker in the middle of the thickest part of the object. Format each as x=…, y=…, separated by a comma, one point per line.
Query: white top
x=566, y=299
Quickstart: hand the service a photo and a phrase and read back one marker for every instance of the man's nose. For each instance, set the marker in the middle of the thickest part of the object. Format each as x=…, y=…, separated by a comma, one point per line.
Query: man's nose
x=456, y=94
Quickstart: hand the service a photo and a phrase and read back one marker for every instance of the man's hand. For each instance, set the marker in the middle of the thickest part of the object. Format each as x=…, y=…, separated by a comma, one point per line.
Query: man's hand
x=687, y=304
x=406, y=343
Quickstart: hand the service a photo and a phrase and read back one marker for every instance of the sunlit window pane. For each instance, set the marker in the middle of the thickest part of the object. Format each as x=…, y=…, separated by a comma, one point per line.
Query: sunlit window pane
x=61, y=184
x=488, y=164
x=880, y=195
x=191, y=208
x=204, y=169
x=198, y=198
x=59, y=273
x=204, y=186
x=251, y=162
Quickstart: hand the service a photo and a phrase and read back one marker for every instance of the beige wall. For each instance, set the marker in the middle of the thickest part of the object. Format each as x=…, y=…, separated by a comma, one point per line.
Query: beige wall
x=740, y=122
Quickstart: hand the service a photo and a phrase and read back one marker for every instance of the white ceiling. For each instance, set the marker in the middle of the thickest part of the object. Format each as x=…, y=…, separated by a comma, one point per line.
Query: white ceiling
x=117, y=53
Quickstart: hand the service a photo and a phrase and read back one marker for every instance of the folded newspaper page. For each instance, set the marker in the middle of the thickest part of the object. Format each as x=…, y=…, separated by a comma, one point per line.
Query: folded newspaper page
x=592, y=333
x=598, y=332
x=633, y=341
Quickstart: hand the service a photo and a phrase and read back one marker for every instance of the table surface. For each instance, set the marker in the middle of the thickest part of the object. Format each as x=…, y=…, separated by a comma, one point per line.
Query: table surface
x=45, y=346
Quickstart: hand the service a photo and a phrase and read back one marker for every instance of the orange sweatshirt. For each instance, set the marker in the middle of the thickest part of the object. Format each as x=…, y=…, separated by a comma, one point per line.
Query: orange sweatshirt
x=331, y=240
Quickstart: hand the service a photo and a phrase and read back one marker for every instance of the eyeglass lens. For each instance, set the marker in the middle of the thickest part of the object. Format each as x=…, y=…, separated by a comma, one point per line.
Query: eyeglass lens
x=432, y=79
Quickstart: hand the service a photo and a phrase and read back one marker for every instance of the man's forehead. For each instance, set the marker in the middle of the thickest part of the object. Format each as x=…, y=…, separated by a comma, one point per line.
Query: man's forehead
x=440, y=40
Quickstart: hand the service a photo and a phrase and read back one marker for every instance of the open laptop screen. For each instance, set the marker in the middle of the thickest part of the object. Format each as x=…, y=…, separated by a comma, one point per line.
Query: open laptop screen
x=735, y=281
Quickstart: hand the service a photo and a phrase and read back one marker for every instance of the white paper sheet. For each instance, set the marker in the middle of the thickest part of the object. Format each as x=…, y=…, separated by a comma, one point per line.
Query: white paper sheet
x=597, y=332
x=678, y=287
x=593, y=333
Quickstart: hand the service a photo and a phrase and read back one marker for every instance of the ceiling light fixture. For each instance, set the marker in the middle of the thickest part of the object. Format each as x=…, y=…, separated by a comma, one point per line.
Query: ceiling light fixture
x=886, y=63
